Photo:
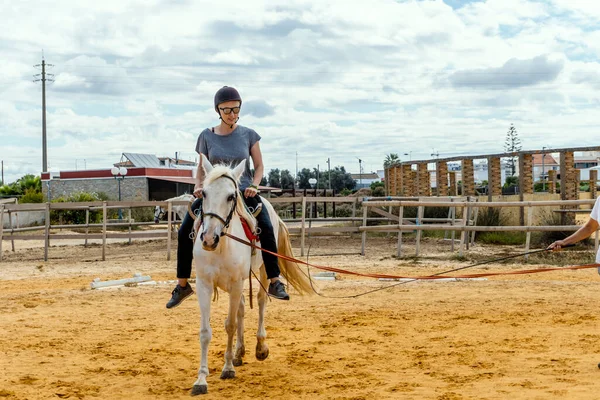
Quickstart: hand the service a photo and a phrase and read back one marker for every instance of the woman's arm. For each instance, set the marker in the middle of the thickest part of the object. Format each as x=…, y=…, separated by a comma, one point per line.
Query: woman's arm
x=585, y=231
x=199, y=178
x=259, y=170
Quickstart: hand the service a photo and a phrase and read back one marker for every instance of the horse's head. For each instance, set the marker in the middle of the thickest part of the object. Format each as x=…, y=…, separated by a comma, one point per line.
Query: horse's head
x=159, y=212
x=220, y=193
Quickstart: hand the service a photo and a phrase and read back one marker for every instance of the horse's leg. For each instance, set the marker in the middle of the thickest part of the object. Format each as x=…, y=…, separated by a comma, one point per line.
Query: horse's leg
x=235, y=296
x=240, y=349
x=262, y=350
x=204, y=293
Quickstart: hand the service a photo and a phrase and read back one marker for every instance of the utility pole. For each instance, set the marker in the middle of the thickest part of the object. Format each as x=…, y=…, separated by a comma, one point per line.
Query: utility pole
x=296, y=180
x=329, y=169
x=359, y=173
x=43, y=79
x=3, y=172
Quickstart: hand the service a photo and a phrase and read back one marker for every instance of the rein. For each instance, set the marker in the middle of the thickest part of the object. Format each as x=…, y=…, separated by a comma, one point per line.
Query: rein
x=441, y=275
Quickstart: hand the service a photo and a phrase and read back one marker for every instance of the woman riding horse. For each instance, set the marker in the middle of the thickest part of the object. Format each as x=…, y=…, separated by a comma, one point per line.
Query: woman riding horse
x=228, y=143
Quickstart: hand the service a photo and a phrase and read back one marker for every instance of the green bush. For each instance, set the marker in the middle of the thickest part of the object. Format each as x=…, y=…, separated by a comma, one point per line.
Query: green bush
x=32, y=196
x=506, y=238
x=77, y=216
x=545, y=238
x=343, y=210
x=142, y=214
x=490, y=217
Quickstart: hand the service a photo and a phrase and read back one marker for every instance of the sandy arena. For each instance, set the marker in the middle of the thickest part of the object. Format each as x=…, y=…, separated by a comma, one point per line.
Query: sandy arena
x=520, y=337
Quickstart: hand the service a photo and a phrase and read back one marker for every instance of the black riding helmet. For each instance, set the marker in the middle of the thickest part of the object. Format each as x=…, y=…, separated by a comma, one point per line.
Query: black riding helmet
x=226, y=93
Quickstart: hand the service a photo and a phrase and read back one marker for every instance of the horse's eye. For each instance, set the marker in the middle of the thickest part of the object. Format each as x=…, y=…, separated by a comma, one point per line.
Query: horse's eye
x=231, y=197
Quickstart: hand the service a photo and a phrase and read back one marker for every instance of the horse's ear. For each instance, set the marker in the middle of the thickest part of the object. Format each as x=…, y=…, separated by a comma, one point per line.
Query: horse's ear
x=206, y=164
x=239, y=170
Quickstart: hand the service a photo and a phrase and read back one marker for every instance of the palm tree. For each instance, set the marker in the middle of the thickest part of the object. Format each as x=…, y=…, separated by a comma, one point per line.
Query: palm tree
x=391, y=160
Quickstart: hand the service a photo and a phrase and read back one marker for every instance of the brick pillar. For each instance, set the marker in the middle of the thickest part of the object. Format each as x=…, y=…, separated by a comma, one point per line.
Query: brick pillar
x=569, y=184
x=398, y=180
x=407, y=181
x=414, y=178
x=569, y=177
x=453, y=191
x=423, y=180
x=526, y=173
x=386, y=180
x=593, y=180
x=494, y=177
x=468, y=178
x=441, y=177
x=551, y=185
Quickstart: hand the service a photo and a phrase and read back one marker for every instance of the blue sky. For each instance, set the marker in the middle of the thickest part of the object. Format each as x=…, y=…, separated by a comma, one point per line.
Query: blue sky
x=337, y=79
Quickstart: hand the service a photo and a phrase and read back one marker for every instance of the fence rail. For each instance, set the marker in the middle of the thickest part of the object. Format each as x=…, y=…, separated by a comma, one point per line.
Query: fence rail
x=466, y=224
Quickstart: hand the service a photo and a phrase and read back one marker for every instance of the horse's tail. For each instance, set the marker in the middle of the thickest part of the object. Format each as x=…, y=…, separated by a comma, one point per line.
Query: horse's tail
x=289, y=269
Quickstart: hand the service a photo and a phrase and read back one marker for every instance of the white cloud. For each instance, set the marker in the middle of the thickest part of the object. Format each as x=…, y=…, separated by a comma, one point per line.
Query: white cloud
x=331, y=79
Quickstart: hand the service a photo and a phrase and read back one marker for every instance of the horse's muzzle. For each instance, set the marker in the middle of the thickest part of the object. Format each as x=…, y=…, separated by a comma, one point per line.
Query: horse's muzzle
x=209, y=245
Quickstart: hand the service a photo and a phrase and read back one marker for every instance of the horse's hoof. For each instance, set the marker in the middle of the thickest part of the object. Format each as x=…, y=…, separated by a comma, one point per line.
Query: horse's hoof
x=199, y=389
x=227, y=374
x=237, y=362
x=261, y=355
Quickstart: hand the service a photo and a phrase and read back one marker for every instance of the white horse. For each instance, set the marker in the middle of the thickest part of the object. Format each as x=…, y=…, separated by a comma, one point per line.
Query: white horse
x=225, y=263
x=179, y=210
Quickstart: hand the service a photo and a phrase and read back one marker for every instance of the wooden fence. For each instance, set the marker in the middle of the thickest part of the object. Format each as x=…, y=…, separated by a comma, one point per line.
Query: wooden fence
x=399, y=223
x=465, y=226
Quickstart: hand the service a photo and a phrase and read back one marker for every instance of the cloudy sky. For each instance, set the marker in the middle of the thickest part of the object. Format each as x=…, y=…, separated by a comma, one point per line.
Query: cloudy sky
x=341, y=79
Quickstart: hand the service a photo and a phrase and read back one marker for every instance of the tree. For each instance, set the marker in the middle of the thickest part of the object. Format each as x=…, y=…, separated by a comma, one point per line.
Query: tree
x=287, y=180
x=391, y=160
x=22, y=185
x=303, y=176
x=340, y=179
x=274, y=179
x=512, y=144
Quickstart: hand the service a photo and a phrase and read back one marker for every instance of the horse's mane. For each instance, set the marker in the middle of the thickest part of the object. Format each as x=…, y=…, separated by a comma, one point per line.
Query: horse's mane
x=240, y=207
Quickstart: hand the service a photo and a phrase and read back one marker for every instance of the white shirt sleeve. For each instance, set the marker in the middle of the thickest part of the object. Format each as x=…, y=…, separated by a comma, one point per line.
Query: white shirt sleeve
x=596, y=216
x=596, y=210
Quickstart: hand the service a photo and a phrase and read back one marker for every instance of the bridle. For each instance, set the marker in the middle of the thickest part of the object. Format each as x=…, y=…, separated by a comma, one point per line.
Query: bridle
x=224, y=221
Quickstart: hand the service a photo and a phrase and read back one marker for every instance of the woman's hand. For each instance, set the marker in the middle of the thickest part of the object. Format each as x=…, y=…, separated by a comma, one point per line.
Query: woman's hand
x=557, y=245
x=250, y=191
x=197, y=192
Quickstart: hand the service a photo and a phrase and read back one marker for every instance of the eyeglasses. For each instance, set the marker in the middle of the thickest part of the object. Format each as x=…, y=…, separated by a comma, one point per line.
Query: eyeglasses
x=229, y=110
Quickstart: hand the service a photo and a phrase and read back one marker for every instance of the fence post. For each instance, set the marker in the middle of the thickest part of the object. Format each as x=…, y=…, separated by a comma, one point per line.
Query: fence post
x=364, y=223
x=12, y=241
x=462, y=232
x=87, y=225
x=400, y=218
x=1, y=228
x=468, y=220
x=303, y=226
x=453, y=233
x=476, y=211
x=129, y=219
x=104, y=231
x=47, y=232
x=528, y=237
x=420, y=212
x=354, y=210
x=169, y=209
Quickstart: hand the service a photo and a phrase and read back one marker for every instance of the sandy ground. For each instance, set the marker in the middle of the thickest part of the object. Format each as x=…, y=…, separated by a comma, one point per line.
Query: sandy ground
x=520, y=337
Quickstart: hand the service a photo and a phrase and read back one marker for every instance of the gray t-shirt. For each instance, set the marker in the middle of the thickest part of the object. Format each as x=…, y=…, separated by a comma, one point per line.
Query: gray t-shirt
x=229, y=149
